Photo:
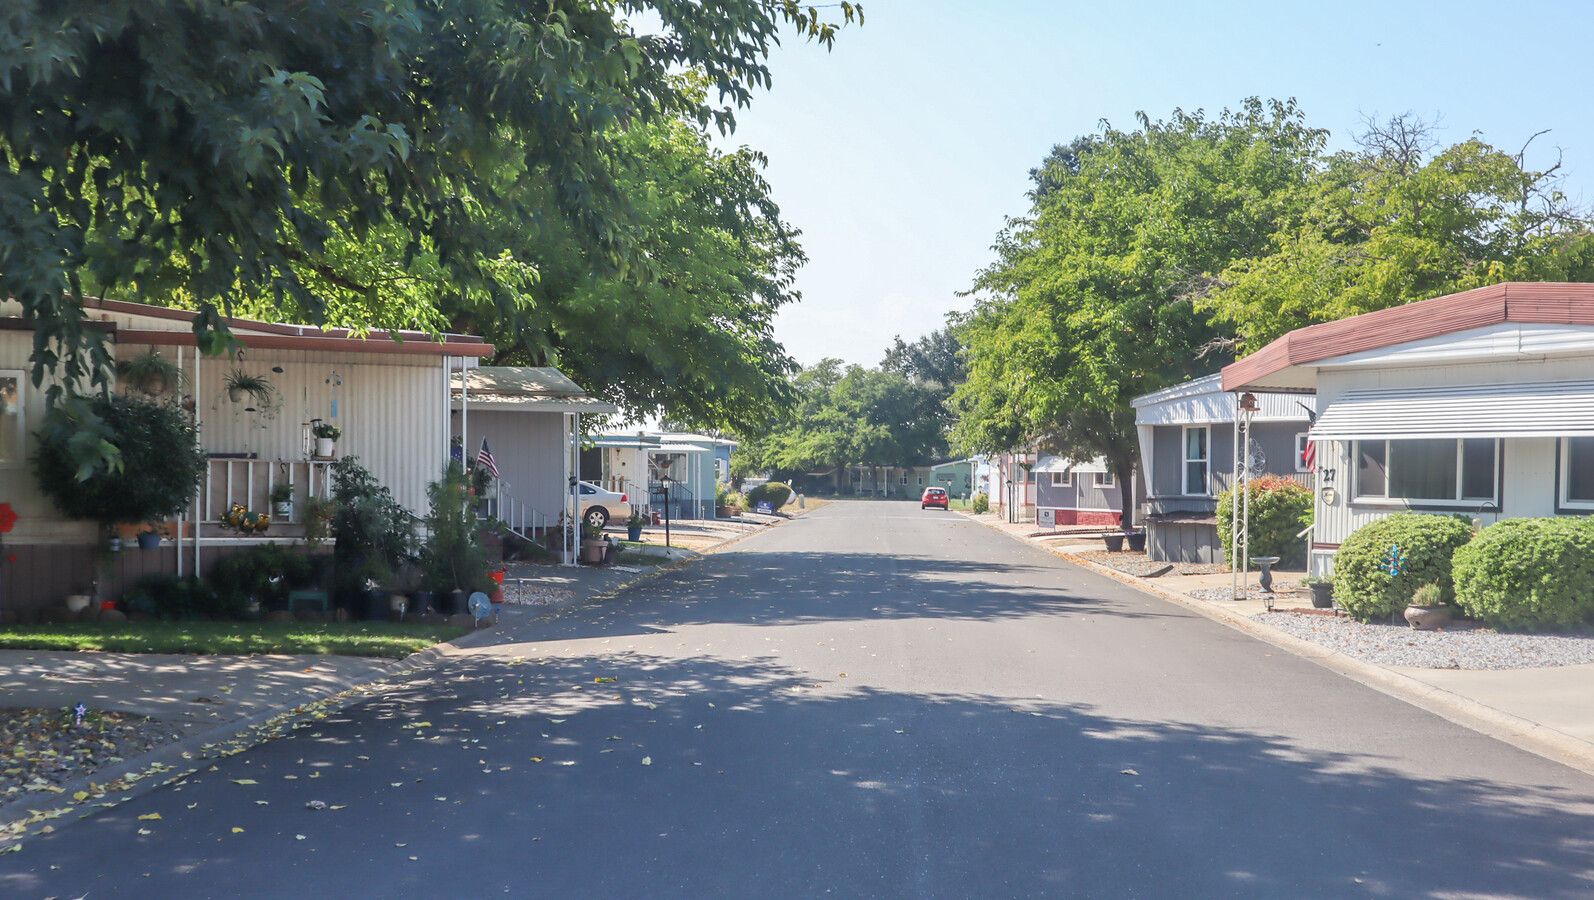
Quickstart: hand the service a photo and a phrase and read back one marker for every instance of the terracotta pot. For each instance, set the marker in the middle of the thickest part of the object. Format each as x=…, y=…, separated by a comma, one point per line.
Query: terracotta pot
x=1427, y=618
x=592, y=551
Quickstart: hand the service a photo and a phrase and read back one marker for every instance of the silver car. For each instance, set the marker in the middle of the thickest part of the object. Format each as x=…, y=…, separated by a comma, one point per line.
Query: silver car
x=598, y=506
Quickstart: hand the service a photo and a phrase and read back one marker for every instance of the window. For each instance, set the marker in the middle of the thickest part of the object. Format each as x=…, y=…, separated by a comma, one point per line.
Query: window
x=1577, y=472
x=1435, y=470
x=1300, y=453
x=1196, y=467
x=1062, y=479
x=12, y=426
x=921, y=481
x=1104, y=479
x=857, y=476
x=905, y=477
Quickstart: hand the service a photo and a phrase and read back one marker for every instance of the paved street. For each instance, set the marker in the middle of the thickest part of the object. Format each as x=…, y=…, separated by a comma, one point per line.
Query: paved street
x=869, y=701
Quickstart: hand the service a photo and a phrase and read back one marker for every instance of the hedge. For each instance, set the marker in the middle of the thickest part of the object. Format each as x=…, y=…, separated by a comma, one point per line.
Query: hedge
x=1280, y=508
x=1528, y=573
x=772, y=492
x=1364, y=587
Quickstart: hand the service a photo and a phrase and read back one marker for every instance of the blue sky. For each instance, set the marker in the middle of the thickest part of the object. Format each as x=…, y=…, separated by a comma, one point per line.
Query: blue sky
x=899, y=153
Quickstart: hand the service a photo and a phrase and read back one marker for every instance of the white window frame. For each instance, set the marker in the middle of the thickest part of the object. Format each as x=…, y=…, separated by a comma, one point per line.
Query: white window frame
x=1457, y=500
x=1062, y=479
x=1185, y=461
x=1105, y=479
x=1300, y=451
x=1562, y=498
x=905, y=477
x=21, y=376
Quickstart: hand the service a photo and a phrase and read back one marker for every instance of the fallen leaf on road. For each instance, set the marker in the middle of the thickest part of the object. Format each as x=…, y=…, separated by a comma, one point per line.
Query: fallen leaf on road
x=150, y=817
x=605, y=680
x=1128, y=772
x=237, y=830
x=145, y=831
x=316, y=804
x=298, y=837
x=244, y=781
x=647, y=760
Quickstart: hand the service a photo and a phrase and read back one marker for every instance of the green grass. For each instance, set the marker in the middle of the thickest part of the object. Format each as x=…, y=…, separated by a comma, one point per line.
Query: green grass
x=231, y=638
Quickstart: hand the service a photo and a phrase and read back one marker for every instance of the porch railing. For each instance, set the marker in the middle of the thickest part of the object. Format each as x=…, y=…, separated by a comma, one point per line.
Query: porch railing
x=249, y=482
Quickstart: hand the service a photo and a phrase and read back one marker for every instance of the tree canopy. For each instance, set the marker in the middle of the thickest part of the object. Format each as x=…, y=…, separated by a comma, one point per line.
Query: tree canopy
x=1090, y=300
x=210, y=150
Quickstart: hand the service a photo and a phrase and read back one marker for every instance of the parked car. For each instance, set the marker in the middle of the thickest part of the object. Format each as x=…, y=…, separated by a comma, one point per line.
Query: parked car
x=598, y=506
x=934, y=496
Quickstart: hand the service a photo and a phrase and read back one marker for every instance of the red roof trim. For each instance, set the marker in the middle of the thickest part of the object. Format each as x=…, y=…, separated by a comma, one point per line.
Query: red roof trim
x=416, y=347
x=187, y=315
x=1535, y=302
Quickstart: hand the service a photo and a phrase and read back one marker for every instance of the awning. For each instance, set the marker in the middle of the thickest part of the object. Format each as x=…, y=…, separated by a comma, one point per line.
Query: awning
x=1541, y=409
x=1062, y=464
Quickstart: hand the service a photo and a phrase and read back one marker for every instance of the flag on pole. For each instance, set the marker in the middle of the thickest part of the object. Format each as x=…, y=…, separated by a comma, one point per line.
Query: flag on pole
x=1309, y=455
x=456, y=452
x=485, y=460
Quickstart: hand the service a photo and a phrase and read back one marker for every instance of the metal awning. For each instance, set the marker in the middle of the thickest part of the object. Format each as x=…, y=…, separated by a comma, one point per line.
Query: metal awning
x=1063, y=464
x=1539, y=409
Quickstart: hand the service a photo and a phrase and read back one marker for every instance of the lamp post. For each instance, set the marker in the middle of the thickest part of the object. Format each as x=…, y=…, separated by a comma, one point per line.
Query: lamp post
x=664, y=479
x=1245, y=407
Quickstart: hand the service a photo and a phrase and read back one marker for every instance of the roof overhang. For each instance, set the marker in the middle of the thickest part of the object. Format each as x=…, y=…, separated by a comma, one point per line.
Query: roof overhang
x=1540, y=409
x=1291, y=362
x=492, y=403
x=315, y=343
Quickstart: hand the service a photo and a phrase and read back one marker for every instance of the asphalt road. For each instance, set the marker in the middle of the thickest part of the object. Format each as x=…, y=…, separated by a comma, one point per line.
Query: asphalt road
x=870, y=701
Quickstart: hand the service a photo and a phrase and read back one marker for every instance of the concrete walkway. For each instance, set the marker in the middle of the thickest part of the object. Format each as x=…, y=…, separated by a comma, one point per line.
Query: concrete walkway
x=1549, y=711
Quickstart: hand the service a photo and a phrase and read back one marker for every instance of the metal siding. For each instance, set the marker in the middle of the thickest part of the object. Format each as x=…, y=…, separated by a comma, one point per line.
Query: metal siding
x=1474, y=410
x=528, y=448
x=1530, y=478
x=1220, y=449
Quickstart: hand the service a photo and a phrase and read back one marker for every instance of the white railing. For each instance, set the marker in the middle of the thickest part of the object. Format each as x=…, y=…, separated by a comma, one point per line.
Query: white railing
x=249, y=482
x=519, y=517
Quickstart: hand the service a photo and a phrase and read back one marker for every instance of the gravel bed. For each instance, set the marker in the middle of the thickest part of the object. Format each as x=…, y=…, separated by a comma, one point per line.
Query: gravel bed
x=1283, y=594
x=1138, y=564
x=41, y=748
x=532, y=594
x=1463, y=646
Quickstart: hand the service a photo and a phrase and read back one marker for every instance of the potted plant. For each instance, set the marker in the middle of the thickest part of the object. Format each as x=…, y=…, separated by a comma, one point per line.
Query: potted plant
x=149, y=373
x=282, y=501
x=593, y=545
x=453, y=562
x=1322, y=592
x=1114, y=541
x=326, y=436
x=1136, y=540
x=1426, y=610
x=633, y=526
x=149, y=537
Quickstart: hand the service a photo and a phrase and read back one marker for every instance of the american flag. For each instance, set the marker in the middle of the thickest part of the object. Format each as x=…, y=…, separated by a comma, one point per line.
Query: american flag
x=1309, y=455
x=485, y=460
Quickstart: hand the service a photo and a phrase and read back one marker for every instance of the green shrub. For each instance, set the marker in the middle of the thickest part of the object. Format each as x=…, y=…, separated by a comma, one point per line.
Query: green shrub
x=772, y=492
x=267, y=572
x=1364, y=587
x=453, y=556
x=170, y=597
x=161, y=462
x=1280, y=508
x=1528, y=573
x=982, y=503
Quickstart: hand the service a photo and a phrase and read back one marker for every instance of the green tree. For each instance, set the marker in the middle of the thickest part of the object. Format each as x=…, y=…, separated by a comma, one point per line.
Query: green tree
x=1399, y=220
x=212, y=149
x=1089, y=301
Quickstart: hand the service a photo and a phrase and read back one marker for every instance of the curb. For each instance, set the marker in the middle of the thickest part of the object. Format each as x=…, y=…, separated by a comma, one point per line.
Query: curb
x=136, y=777
x=1524, y=734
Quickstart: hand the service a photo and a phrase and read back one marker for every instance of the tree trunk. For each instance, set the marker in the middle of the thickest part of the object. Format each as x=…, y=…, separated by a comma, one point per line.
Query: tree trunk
x=1126, y=493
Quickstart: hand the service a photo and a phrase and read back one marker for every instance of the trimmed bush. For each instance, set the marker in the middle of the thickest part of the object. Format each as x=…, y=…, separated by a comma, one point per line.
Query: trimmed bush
x=982, y=503
x=1280, y=508
x=1528, y=573
x=1364, y=587
x=161, y=463
x=772, y=492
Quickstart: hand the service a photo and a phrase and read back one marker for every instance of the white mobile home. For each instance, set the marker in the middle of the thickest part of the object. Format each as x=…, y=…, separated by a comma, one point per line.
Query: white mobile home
x=1479, y=403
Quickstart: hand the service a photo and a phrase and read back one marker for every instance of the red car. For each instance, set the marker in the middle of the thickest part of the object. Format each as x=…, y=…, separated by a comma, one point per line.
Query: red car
x=933, y=496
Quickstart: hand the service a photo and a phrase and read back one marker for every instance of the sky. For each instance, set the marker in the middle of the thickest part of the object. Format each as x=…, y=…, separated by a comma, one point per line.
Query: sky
x=900, y=153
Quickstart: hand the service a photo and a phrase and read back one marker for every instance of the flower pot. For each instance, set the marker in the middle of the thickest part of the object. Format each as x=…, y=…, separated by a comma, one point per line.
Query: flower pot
x=282, y=509
x=114, y=545
x=1137, y=541
x=454, y=600
x=76, y=603
x=633, y=533
x=1114, y=541
x=1427, y=618
x=592, y=551
x=149, y=540
x=107, y=605
x=423, y=602
x=324, y=447
x=1322, y=594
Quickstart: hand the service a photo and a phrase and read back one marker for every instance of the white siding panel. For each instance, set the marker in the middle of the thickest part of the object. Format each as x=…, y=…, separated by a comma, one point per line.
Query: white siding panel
x=1529, y=488
x=1457, y=411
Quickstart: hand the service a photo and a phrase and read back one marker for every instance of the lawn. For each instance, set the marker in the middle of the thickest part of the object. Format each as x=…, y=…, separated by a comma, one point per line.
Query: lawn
x=224, y=638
